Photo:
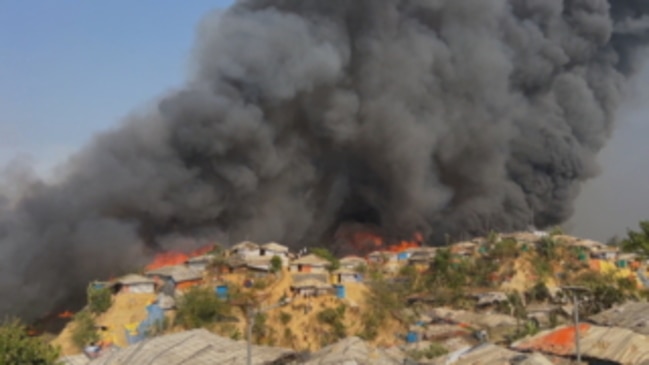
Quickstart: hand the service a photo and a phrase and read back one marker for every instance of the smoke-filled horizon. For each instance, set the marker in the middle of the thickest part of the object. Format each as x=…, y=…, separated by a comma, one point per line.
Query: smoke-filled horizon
x=441, y=117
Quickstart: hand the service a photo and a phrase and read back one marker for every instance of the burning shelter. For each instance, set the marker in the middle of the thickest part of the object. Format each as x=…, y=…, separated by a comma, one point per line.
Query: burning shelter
x=133, y=283
x=181, y=276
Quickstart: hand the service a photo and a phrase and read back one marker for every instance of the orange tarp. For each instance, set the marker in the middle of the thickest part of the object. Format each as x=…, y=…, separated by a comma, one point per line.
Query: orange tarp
x=559, y=342
x=188, y=284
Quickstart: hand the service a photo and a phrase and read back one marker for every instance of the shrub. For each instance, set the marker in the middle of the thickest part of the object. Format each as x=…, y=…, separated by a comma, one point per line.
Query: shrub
x=334, y=263
x=539, y=292
x=276, y=264
x=17, y=347
x=637, y=242
x=259, y=328
x=85, y=329
x=99, y=299
x=506, y=248
x=200, y=307
x=434, y=350
x=285, y=317
x=556, y=231
x=333, y=318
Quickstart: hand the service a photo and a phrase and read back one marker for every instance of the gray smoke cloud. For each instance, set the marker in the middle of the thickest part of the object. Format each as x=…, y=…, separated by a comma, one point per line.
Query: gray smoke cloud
x=439, y=116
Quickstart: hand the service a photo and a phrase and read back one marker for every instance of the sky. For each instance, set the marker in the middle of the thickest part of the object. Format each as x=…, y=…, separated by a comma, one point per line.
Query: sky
x=69, y=69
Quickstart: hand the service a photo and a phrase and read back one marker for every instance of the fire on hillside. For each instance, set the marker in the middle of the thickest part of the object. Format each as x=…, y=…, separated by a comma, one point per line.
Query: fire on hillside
x=362, y=239
x=170, y=258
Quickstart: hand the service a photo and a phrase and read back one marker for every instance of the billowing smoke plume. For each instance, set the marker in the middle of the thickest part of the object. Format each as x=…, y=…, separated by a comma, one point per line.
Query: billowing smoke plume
x=439, y=116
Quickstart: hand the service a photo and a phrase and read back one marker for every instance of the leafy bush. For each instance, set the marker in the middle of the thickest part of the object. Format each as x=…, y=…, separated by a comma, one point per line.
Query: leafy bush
x=276, y=264
x=445, y=272
x=285, y=317
x=539, y=292
x=17, y=347
x=638, y=242
x=333, y=317
x=506, y=248
x=200, y=307
x=334, y=263
x=556, y=231
x=99, y=299
x=259, y=328
x=547, y=248
x=85, y=329
x=434, y=350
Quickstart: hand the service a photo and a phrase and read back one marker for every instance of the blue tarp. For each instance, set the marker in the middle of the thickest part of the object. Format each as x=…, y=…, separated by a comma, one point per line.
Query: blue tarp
x=340, y=291
x=222, y=292
x=155, y=316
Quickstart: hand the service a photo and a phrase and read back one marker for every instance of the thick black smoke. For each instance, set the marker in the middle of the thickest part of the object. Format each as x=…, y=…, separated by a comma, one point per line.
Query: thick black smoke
x=441, y=116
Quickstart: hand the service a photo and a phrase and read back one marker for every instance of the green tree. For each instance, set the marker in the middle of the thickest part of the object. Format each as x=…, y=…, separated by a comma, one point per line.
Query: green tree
x=85, y=330
x=17, y=347
x=276, y=264
x=445, y=271
x=99, y=299
x=200, y=307
x=638, y=242
x=334, y=263
x=506, y=248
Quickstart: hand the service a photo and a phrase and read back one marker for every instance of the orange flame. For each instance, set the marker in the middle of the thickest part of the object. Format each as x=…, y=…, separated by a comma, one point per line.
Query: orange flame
x=415, y=242
x=65, y=315
x=171, y=258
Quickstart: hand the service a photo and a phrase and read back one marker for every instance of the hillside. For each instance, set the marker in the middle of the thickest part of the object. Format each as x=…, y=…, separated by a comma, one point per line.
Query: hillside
x=508, y=286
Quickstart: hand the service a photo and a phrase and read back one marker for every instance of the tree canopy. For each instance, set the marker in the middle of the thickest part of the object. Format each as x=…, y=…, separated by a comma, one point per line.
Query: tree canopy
x=637, y=241
x=17, y=347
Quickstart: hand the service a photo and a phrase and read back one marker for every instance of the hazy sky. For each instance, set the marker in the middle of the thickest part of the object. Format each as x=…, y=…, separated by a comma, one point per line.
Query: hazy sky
x=70, y=68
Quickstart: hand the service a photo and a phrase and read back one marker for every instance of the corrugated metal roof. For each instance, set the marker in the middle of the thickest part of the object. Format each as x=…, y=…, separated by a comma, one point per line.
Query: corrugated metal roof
x=197, y=347
x=355, y=351
x=488, y=354
x=634, y=316
x=74, y=360
x=605, y=343
x=178, y=273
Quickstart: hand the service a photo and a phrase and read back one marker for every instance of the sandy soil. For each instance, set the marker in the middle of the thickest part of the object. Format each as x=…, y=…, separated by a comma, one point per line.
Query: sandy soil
x=126, y=309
